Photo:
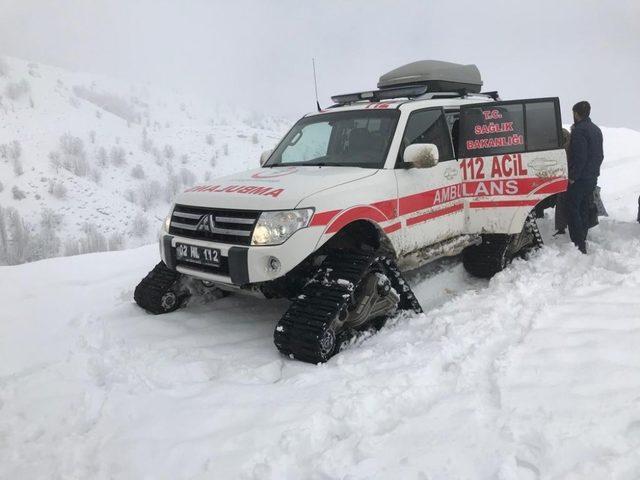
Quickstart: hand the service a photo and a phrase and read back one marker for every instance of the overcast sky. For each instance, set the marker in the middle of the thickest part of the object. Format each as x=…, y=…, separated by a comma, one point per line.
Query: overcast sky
x=259, y=53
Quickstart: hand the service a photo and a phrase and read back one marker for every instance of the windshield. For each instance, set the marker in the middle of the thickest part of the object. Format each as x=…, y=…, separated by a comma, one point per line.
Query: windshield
x=357, y=138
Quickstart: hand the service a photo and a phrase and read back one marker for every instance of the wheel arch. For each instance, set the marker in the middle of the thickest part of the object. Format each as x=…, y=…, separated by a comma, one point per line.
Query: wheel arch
x=360, y=231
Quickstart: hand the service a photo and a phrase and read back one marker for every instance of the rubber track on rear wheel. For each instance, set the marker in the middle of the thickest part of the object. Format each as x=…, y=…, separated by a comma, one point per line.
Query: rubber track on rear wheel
x=488, y=258
x=148, y=294
x=299, y=330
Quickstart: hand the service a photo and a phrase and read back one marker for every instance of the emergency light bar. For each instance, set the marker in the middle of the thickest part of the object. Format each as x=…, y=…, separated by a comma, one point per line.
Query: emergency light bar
x=383, y=94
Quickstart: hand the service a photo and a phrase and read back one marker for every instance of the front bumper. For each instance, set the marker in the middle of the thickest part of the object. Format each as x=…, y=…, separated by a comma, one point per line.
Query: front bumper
x=243, y=265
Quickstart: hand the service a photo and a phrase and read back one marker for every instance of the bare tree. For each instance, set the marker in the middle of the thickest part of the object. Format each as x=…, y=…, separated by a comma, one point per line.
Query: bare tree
x=57, y=189
x=71, y=247
x=55, y=161
x=93, y=240
x=19, y=238
x=15, y=90
x=102, y=157
x=140, y=225
x=115, y=241
x=95, y=175
x=187, y=177
x=118, y=156
x=4, y=238
x=137, y=172
x=168, y=152
x=17, y=167
x=17, y=193
x=73, y=157
x=15, y=150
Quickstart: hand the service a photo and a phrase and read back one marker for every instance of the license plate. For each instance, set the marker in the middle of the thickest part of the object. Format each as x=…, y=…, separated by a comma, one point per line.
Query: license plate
x=195, y=254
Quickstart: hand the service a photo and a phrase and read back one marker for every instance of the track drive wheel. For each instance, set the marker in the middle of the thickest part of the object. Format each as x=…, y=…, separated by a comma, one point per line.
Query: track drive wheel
x=497, y=251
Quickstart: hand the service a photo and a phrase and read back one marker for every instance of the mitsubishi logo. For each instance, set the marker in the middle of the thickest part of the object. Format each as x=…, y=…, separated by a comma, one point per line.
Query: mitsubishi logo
x=206, y=224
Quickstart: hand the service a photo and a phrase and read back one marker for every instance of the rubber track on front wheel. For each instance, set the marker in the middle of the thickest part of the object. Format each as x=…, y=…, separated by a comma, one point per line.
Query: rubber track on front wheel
x=298, y=332
x=148, y=294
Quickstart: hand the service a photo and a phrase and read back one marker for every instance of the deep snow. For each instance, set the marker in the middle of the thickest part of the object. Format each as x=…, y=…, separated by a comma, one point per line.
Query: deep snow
x=534, y=374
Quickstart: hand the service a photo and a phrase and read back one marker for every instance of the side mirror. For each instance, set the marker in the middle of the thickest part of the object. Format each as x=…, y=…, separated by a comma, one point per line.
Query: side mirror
x=421, y=155
x=265, y=156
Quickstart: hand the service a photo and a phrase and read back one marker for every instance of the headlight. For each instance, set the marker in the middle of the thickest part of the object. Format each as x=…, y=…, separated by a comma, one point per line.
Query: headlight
x=273, y=228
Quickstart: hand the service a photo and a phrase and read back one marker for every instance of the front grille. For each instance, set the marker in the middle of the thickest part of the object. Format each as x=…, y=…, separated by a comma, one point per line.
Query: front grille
x=229, y=226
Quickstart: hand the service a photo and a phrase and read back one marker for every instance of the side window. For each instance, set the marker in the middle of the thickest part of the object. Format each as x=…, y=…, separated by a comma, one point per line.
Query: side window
x=453, y=120
x=509, y=127
x=542, y=131
x=429, y=126
x=492, y=130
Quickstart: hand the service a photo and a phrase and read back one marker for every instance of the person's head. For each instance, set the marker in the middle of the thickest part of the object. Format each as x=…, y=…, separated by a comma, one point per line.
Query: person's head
x=581, y=110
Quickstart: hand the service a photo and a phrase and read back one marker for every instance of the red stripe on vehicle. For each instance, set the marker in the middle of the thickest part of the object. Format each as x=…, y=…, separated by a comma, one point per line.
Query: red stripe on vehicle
x=428, y=216
x=393, y=227
x=393, y=208
x=417, y=201
x=389, y=208
x=357, y=213
x=323, y=218
x=556, y=186
x=504, y=203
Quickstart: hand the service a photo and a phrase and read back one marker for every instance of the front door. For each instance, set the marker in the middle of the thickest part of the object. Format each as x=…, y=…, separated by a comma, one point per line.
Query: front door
x=430, y=201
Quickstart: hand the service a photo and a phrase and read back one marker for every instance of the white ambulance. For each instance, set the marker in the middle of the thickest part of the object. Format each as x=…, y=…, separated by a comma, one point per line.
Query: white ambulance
x=381, y=182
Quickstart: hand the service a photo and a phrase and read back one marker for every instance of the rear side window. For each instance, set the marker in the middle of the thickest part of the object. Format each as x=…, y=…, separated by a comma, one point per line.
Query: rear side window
x=429, y=126
x=509, y=127
x=542, y=131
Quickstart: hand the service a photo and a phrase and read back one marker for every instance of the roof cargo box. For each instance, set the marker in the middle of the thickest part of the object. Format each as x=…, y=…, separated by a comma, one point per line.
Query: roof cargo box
x=438, y=76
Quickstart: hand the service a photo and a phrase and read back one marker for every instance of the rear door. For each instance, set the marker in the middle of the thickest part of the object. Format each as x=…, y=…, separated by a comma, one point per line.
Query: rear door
x=510, y=158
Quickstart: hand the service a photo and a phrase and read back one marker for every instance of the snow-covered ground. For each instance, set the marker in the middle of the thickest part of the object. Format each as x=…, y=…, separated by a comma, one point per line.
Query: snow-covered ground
x=532, y=375
x=106, y=158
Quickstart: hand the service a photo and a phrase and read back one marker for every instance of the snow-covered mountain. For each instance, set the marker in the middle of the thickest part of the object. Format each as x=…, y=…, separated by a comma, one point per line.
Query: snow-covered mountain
x=89, y=163
x=532, y=375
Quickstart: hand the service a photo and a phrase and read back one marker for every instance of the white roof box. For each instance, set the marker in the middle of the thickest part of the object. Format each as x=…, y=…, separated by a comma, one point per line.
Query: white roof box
x=438, y=76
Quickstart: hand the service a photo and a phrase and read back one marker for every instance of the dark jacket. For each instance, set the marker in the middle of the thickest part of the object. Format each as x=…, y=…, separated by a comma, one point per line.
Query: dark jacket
x=586, y=153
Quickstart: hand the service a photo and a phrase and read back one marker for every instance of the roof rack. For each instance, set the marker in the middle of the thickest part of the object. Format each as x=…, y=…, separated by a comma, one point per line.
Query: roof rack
x=408, y=91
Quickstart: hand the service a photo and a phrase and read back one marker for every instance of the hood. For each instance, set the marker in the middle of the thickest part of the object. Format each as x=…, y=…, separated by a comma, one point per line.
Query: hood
x=277, y=188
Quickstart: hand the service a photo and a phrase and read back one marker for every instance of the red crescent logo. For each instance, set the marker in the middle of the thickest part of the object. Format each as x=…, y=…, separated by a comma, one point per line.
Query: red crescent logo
x=277, y=173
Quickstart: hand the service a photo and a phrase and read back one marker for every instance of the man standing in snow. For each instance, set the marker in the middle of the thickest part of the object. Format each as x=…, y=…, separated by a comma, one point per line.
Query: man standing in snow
x=585, y=158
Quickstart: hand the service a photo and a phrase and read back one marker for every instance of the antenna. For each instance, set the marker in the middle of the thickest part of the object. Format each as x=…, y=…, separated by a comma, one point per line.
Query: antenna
x=315, y=83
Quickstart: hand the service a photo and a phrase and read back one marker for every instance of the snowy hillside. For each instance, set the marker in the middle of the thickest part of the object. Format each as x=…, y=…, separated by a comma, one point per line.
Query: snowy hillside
x=533, y=375
x=88, y=163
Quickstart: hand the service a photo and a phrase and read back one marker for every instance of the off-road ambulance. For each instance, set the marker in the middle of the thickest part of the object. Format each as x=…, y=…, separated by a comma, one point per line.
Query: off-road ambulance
x=381, y=182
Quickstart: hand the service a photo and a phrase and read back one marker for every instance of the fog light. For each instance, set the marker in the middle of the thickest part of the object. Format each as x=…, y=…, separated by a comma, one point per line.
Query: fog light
x=273, y=264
